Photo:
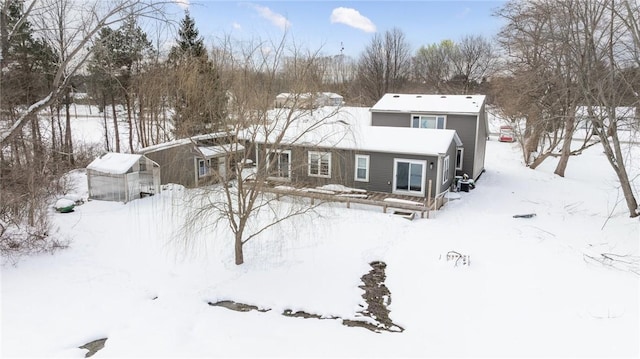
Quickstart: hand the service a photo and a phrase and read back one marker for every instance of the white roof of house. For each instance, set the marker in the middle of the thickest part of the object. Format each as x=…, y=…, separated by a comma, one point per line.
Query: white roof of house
x=285, y=95
x=464, y=104
x=212, y=151
x=332, y=95
x=182, y=141
x=350, y=128
x=114, y=163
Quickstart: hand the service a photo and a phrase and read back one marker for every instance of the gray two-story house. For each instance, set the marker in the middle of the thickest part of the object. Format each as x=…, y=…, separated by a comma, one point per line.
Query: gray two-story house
x=463, y=113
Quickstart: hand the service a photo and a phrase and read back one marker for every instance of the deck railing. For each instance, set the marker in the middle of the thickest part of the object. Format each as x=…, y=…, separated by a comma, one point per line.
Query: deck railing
x=377, y=199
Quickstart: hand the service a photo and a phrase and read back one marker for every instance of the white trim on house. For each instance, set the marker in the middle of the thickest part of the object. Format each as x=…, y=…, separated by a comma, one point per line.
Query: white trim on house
x=366, y=168
x=445, y=169
x=412, y=163
x=322, y=171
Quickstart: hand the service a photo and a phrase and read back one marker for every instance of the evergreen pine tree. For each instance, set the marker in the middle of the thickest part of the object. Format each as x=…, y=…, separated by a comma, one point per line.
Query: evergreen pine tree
x=199, y=98
x=189, y=43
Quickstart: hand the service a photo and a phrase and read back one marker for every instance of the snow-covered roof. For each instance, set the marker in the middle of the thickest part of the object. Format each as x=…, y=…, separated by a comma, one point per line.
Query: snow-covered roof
x=332, y=95
x=114, y=163
x=350, y=128
x=212, y=151
x=463, y=104
x=181, y=142
x=285, y=95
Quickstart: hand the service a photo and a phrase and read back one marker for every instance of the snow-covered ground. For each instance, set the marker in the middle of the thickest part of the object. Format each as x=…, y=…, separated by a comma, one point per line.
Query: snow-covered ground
x=531, y=288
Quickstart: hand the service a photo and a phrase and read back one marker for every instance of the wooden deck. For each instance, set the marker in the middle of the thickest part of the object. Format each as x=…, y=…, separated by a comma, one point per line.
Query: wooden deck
x=380, y=199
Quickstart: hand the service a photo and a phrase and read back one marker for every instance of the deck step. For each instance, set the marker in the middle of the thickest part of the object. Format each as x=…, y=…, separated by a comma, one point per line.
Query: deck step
x=405, y=214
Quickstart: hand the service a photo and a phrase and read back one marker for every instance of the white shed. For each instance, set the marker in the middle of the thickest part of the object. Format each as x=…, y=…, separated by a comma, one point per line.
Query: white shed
x=122, y=177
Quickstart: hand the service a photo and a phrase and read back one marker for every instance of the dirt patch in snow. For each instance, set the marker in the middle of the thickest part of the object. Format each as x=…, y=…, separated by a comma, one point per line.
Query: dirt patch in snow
x=93, y=346
x=376, y=295
x=238, y=307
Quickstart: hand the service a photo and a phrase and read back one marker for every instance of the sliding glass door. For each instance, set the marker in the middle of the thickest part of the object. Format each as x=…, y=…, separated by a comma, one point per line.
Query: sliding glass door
x=409, y=176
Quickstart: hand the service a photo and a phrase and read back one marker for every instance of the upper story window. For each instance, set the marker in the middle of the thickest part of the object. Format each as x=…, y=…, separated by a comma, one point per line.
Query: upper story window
x=428, y=121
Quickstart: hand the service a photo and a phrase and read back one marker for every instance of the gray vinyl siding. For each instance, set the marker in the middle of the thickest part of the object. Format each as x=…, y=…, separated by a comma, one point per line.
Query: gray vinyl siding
x=381, y=171
x=176, y=164
x=465, y=126
x=482, y=144
x=470, y=128
x=343, y=171
x=452, y=167
x=391, y=119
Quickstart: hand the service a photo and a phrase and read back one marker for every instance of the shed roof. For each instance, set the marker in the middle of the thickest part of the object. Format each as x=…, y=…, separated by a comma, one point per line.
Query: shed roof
x=114, y=163
x=182, y=141
x=213, y=151
x=350, y=128
x=464, y=104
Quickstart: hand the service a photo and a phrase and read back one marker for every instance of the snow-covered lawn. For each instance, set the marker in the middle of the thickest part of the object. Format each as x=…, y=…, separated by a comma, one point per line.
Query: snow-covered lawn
x=530, y=290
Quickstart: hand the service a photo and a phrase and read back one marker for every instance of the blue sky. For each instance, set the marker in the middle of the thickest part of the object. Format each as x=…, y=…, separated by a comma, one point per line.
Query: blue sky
x=326, y=24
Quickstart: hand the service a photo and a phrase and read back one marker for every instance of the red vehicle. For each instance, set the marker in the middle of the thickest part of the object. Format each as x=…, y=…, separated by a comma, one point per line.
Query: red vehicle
x=506, y=134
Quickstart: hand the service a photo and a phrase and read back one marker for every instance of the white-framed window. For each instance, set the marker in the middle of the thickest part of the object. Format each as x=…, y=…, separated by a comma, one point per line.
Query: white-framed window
x=204, y=166
x=319, y=164
x=409, y=176
x=362, y=168
x=445, y=169
x=429, y=121
x=279, y=164
x=459, y=154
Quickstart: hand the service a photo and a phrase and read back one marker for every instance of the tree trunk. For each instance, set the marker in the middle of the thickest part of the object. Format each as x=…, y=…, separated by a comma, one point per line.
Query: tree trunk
x=127, y=101
x=538, y=161
x=67, y=134
x=566, y=146
x=60, y=132
x=616, y=159
x=238, y=247
x=115, y=123
x=54, y=150
x=106, y=126
x=142, y=131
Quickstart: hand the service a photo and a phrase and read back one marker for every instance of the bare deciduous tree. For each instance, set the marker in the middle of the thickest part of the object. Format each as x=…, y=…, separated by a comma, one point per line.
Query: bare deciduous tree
x=544, y=79
x=88, y=20
x=56, y=33
x=455, y=67
x=261, y=130
x=575, y=55
x=385, y=65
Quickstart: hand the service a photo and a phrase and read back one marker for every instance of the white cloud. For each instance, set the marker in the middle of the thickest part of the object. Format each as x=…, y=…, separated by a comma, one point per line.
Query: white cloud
x=275, y=18
x=182, y=3
x=353, y=18
x=236, y=26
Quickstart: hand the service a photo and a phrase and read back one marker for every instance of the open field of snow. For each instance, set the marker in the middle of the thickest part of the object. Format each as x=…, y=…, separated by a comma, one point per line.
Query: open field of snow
x=531, y=288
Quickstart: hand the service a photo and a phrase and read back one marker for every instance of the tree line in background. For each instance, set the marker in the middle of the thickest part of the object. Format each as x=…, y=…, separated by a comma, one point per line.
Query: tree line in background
x=550, y=58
